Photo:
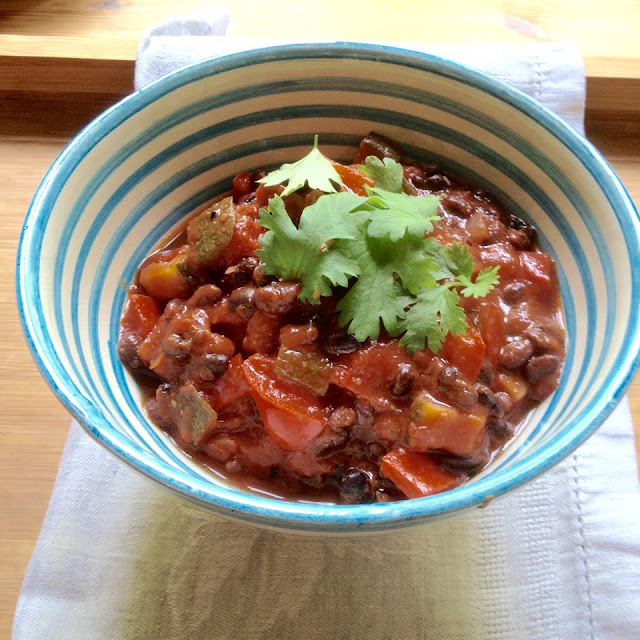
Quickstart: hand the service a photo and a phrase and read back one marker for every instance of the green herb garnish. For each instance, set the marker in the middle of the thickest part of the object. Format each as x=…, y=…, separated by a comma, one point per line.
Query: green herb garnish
x=375, y=246
x=314, y=170
x=387, y=173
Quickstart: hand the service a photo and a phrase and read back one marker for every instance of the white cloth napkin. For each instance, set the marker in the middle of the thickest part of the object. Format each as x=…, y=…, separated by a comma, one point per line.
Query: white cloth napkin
x=119, y=557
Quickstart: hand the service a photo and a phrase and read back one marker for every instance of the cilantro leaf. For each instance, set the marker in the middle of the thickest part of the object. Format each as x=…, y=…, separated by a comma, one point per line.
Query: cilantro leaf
x=435, y=314
x=372, y=298
x=301, y=253
x=460, y=260
x=486, y=279
x=387, y=173
x=314, y=169
x=376, y=248
x=397, y=214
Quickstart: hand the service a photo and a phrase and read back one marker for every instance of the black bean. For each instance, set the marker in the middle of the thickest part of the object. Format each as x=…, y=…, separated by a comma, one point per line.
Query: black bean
x=543, y=388
x=365, y=414
x=260, y=278
x=455, y=389
x=499, y=427
x=213, y=366
x=541, y=366
x=175, y=307
x=425, y=181
x=542, y=341
x=505, y=401
x=328, y=441
x=516, y=353
x=277, y=297
x=128, y=351
x=402, y=382
x=514, y=292
x=205, y=295
x=485, y=375
x=489, y=399
x=513, y=222
x=518, y=319
x=375, y=451
x=159, y=408
x=436, y=182
x=458, y=204
x=467, y=464
x=340, y=344
x=356, y=486
x=342, y=417
x=356, y=448
x=239, y=274
x=519, y=239
x=177, y=346
x=376, y=145
x=242, y=302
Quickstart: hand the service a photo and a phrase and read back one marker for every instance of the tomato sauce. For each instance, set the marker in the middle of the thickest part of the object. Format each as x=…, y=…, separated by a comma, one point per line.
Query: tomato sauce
x=270, y=393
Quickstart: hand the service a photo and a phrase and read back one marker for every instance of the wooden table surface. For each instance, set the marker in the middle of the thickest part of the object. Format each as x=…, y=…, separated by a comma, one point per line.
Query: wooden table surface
x=61, y=63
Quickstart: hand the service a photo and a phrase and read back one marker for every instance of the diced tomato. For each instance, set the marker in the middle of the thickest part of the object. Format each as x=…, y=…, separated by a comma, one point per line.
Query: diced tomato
x=262, y=333
x=417, y=474
x=538, y=268
x=391, y=425
x=230, y=389
x=439, y=426
x=367, y=372
x=241, y=186
x=141, y=314
x=292, y=416
x=491, y=325
x=352, y=179
x=465, y=352
x=221, y=314
x=165, y=280
x=264, y=194
x=504, y=256
x=246, y=236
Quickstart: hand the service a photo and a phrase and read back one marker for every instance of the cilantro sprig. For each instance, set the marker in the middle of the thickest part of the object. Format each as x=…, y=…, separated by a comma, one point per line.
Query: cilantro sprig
x=314, y=170
x=375, y=247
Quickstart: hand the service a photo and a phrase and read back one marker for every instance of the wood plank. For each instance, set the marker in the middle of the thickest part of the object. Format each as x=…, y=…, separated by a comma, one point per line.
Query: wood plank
x=34, y=424
x=45, y=37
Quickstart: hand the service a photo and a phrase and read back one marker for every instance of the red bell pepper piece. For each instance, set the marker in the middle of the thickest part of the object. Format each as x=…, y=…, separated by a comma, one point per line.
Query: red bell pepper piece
x=417, y=474
x=291, y=415
x=141, y=314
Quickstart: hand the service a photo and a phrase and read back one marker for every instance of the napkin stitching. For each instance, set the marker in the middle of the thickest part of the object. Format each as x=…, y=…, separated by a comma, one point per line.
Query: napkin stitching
x=583, y=540
x=537, y=82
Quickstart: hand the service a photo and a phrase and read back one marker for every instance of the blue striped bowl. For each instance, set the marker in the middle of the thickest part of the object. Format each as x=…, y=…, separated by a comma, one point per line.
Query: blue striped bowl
x=138, y=169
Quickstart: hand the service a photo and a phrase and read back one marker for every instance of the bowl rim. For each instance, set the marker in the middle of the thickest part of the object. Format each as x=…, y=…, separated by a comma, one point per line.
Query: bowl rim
x=318, y=516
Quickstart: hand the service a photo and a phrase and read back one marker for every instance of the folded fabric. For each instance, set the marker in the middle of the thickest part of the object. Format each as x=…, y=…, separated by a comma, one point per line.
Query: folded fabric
x=120, y=557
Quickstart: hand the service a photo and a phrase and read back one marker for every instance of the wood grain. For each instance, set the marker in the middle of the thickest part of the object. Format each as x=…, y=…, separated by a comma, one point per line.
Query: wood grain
x=34, y=425
x=42, y=45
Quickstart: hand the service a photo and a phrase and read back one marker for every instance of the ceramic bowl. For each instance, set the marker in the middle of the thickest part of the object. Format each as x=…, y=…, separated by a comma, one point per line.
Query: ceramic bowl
x=130, y=176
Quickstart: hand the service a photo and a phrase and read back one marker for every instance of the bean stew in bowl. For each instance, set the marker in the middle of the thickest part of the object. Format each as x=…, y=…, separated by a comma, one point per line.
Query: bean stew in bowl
x=347, y=333
x=383, y=331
